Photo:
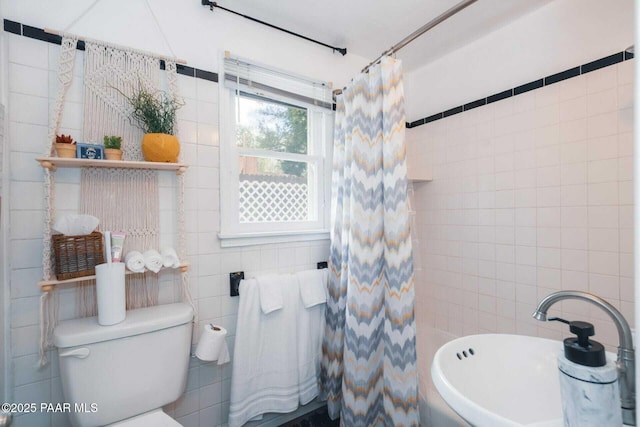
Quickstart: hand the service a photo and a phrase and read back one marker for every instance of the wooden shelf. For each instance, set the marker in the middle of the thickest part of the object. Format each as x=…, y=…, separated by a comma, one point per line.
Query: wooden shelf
x=48, y=285
x=52, y=163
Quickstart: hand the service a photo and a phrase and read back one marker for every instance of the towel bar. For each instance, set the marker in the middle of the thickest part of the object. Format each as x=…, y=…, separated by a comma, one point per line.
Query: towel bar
x=236, y=277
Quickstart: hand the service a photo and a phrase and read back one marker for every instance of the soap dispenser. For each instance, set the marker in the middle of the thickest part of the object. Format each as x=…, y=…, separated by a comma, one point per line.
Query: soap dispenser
x=588, y=381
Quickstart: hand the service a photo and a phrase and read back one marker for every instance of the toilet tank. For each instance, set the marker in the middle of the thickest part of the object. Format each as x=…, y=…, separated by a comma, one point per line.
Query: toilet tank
x=110, y=373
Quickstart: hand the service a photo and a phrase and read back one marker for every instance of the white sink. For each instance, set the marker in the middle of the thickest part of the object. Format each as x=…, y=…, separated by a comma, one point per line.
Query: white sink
x=497, y=380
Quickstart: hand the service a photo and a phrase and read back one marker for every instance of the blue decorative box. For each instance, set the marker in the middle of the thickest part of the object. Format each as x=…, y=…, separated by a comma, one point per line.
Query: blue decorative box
x=89, y=151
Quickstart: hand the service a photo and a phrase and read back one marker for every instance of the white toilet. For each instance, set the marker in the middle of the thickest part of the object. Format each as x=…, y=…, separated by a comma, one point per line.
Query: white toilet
x=123, y=374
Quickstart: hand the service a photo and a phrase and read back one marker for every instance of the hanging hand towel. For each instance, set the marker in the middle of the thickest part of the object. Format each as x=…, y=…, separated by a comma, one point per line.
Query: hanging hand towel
x=170, y=258
x=313, y=286
x=311, y=323
x=134, y=261
x=265, y=364
x=270, y=288
x=152, y=260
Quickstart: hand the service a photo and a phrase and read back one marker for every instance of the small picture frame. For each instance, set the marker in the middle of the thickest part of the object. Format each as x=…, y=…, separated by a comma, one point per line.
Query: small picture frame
x=89, y=151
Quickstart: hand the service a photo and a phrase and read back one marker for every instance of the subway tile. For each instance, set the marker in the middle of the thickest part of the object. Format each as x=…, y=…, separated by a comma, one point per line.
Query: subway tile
x=25, y=253
x=575, y=152
x=574, y=195
x=625, y=120
x=604, y=263
x=573, y=109
x=549, y=217
x=24, y=340
x=548, y=257
x=573, y=173
x=28, y=80
x=548, y=237
x=603, y=193
x=577, y=130
x=602, y=125
x=607, y=287
x=28, y=52
x=602, y=102
x=625, y=168
x=525, y=198
x=603, y=216
x=25, y=311
x=548, y=176
x=603, y=239
x=548, y=156
x=28, y=109
x=574, y=259
x=626, y=265
x=625, y=192
x=600, y=76
x=22, y=281
x=549, y=196
x=549, y=278
x=575, y=280
x=625, y=72
x=625, y=96
x=575, y=238
x=573, y=88
x=547, y=95
x=574, y=216
x=603, y=171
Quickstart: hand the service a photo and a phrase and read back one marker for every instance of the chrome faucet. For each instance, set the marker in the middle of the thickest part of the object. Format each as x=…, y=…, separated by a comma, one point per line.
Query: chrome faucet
x=626, y=355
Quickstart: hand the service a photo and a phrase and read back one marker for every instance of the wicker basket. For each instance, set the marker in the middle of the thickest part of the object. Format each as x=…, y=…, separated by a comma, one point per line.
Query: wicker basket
x=77, y=256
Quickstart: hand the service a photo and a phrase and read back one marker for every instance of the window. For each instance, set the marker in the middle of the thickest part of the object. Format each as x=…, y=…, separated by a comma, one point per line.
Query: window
x=275, y=168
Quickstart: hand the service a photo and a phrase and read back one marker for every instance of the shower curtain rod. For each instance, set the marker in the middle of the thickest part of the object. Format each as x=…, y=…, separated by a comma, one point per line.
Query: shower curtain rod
x=420, y=31
x=212, y=4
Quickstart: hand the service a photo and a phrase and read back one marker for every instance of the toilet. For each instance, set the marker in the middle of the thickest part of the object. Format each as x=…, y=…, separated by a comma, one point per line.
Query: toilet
x=122, y=375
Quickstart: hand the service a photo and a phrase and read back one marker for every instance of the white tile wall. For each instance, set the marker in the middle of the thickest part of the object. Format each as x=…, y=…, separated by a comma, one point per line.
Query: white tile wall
x=547, y=180
x=32, y=84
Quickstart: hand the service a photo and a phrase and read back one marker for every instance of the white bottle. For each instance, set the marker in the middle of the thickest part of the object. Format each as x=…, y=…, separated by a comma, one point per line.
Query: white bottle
x=588, y=381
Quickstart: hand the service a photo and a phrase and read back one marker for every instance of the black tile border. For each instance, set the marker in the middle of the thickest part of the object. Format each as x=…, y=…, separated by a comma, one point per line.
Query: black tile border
x=14, y=27
x=536, y=84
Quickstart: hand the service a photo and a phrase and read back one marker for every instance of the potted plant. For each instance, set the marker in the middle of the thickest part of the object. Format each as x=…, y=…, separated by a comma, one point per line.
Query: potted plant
x=154, y=112
x=112, y=147
x=65, y=146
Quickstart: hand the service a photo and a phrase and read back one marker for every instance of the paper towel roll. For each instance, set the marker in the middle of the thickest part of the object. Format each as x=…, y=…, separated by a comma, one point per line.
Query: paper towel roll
x=110, y=293
x=213, y=345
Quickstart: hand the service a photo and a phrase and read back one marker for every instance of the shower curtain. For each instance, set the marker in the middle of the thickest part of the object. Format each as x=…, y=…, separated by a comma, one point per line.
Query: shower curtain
x=368, y=374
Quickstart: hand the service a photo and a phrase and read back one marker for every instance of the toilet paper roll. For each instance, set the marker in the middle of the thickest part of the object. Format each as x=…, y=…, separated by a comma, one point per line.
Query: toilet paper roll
x=110, y=293
x=213, y=345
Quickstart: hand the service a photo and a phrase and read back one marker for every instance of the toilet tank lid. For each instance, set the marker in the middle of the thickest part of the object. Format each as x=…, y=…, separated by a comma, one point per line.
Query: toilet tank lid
x=71, y=333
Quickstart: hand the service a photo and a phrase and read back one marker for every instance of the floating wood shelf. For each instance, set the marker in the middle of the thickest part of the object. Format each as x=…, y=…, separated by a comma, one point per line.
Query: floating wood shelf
x=48, y=285
x=52, y=163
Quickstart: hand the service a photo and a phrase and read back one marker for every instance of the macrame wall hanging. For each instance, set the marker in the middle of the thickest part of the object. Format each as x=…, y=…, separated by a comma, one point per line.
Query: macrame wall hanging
x=123, y=199
x=49, y=300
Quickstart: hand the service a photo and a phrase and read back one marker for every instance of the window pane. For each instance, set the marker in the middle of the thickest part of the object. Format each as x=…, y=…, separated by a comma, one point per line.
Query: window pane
x=273, y=190
x=270, y=125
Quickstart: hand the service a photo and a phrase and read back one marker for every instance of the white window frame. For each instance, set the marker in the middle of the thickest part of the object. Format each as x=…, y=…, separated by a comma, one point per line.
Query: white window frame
x=319, y=148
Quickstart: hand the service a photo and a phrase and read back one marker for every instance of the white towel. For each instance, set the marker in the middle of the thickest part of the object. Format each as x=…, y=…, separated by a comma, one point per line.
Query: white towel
x=265, y=363
x=270, y=288
x=152, y=260
x=313, y=286
x=169, y=258
x=134, y=261
x=311, y=323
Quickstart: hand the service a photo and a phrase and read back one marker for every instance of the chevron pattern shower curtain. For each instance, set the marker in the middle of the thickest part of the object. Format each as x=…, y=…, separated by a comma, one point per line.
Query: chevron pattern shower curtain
x=368, y=371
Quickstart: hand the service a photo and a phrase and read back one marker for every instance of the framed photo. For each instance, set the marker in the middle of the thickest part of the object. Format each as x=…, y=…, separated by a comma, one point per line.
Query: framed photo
x=89, y=151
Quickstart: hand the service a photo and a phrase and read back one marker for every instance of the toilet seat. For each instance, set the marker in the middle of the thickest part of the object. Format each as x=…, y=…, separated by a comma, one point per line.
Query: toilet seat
x=156, y=418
